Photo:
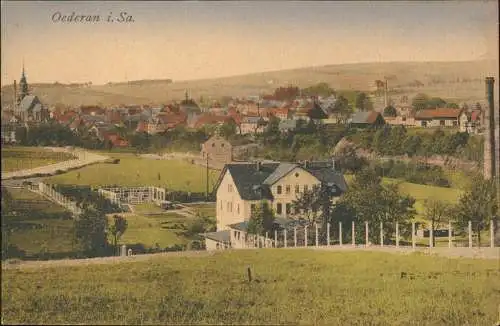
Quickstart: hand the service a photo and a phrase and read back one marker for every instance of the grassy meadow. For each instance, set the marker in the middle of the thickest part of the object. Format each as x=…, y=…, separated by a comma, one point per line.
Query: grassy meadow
x=164, y=229
x=17, y=158
x=300, y=286
x=39, y=226
x=135, y=171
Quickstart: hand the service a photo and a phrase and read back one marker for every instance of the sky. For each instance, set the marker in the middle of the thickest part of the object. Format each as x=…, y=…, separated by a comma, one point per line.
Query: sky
x=197, y=40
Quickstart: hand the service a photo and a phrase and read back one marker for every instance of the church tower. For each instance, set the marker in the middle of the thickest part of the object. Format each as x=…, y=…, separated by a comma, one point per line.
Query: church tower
x=23, y=87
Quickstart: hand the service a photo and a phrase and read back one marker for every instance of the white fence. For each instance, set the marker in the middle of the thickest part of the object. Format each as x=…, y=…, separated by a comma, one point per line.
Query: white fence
x=57, y=198
x=306, y=236
x=133, y=195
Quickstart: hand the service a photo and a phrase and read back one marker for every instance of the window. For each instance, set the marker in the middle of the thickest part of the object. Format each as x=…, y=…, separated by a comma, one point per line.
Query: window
x=235, y=233
x=287, y=189
x=238, y=208
x=221, y=205
x=306, y=188
x=213, y=144
x=230, y=188
x=221, y=145
x=315, y=187
x=455, y=123
x=288, y=208
x=279, y=209
x=279, y=190
x=441, y=122
x=297, y=189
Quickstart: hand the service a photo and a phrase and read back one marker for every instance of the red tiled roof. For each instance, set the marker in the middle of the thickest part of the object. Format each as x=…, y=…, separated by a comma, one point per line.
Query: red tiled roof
x=440, y=113
x=211, y=119
x=141, y=127
x=475, y=115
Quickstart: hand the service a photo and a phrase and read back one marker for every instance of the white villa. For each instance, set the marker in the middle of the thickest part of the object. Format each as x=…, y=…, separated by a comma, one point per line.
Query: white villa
x=242, y=186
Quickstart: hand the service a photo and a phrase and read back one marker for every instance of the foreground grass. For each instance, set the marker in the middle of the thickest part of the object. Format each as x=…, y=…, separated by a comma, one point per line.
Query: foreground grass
x=19, y=158
x=290, y=286
x=136, y=171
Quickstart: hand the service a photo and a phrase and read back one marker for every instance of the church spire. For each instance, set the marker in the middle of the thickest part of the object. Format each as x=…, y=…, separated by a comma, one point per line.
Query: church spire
x=23, y=86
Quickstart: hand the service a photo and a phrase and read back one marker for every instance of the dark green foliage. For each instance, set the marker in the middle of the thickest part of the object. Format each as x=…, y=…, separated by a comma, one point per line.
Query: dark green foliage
x=118, y=228
x=363, y=102
x=261, y=219
x=90, y=231
x=84, y=195
x=390, y=111
x=478, y=204
x=320, y=89
x=420, y=173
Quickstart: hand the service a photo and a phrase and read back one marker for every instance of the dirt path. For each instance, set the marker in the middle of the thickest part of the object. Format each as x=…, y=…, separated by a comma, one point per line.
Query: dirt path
x=82, y=158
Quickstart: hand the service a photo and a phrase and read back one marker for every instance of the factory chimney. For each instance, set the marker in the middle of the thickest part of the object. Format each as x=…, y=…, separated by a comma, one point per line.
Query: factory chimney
x=386, y=101
x=490, y=149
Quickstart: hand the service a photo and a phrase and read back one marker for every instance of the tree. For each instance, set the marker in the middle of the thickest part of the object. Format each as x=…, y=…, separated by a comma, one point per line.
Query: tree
x=368, y=200
x=320, y=89
x=118, y=228
x=436, y=212
x=349, y=160
x=90, y=230
x=363, y=102
x=419, y=102
x=261, y=219
x=390, y=111
x=436, y=102
x=228, y=129
x=478, y=204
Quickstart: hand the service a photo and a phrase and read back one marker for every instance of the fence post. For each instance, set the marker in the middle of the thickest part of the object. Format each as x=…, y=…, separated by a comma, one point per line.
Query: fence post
x=470, y=234
x=492, y=234
x=381, y=234
x=340, y=233
x=366, y=234
x=353, y=234
x=397, y=235
x=295, y=236
x=449, y=234
x=305, y=236
x=267, y=239
x=328, y=234
x=431, y=237
x=284, y=236
x=275, y=238
x=316, y=235
x=413, y=235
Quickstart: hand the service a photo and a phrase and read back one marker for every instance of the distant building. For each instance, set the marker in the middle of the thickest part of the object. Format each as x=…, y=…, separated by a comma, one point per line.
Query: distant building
x=364, y=119
x=218, y=149
x=440, y=117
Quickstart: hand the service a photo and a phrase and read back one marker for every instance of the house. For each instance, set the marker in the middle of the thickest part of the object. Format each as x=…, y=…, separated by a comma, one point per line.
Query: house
x=440, y=117
x=363, y=119
x=242, y=186
x=281, y=113
x=310, y=111
x=251, y=125
x=115, y=139
x=211, y=119
x=400, y=121
x=218, y=149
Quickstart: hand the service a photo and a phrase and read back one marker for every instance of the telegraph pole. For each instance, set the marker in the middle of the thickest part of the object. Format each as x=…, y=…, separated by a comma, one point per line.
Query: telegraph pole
x=207, y=180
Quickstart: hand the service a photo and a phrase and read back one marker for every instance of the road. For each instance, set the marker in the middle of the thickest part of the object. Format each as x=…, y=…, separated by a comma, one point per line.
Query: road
x=476, y=253
x=82, y=158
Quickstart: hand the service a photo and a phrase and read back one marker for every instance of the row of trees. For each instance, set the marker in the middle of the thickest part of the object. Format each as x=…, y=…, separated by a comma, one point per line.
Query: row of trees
x=398, y=141
x=368, y=200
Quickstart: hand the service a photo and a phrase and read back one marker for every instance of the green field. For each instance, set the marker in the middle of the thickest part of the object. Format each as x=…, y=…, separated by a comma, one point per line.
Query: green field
x=300, y=286
x=135, y=171
x=19, y=158
x=208, y=209
x=39, y=226
x=148, y=230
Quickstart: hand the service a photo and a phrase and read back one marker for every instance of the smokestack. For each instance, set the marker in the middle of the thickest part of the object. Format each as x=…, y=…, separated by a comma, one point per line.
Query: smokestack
x=490, y=159
x=386, y=101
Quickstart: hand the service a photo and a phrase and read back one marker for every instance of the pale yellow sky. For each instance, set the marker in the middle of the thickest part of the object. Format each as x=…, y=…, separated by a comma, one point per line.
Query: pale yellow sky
x=204, y=40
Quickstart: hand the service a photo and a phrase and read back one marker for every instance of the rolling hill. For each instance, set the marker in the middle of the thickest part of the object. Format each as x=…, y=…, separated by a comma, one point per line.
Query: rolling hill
x=457, y=81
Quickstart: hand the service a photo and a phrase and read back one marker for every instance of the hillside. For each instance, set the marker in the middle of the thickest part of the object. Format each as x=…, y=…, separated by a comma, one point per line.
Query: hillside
x=343, y=77
x=305, y=287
